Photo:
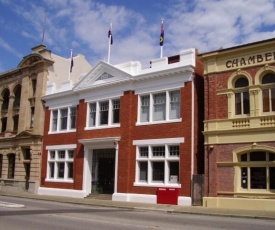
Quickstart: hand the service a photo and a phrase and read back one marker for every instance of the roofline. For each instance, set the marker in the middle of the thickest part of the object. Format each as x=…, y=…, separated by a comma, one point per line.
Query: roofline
x=235, y=47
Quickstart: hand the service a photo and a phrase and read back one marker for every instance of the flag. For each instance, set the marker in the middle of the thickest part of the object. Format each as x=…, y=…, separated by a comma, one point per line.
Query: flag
x=110, y=35
x=161, y=38
x=72, y=63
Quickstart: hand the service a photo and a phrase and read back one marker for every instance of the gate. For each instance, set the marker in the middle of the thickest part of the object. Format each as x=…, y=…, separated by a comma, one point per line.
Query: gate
x=197, y=189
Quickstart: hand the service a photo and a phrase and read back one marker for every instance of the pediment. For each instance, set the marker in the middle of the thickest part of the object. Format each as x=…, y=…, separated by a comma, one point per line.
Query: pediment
x=30, y=60
x=103, y=74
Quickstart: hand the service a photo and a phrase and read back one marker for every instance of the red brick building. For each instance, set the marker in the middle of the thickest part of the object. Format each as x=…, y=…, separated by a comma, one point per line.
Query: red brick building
x=126, y=131
x=239, y=126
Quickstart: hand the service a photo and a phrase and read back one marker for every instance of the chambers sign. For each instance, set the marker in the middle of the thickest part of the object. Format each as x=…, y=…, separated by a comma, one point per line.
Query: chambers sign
x=250, y=60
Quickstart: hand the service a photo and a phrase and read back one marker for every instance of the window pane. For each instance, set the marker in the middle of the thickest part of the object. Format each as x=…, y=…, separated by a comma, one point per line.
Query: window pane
x=143, y=171
x=175, y=105
x=258, y=178
x=143, y=152
x=104, y=110
x=273, y=99
x=52, y=154
x=60, y=169
x=246, y=107
x=70, y=154
x=51, y=171
x=174, y=150
x=174, y=172
x=159, y=151
x=11, y=166
x=116, y=109
x=73, y=118
x=257, y=156
x=63, y=118
x=265, y=100
x=144, y=112
x=244, y=178
x=54, y=120
x=158, y=171
x=4, y=124
x=70, y=169
x=1, y=163
x=241, y=82
x=238, y=104
x=268, y=78
x=61, y=154
x=271, y=157
x=272, y=177
x=159, y=107
x=244, y=157
x=92, y=118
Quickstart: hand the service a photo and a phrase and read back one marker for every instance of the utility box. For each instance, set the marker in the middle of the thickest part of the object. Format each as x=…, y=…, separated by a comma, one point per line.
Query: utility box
x=167, y=195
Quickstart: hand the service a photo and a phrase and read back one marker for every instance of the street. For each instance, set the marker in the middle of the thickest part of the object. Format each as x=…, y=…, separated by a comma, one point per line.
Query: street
x=44, y=215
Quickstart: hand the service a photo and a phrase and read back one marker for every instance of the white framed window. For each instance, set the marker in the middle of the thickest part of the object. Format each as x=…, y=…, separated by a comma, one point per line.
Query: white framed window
x=242, y=104
x=63, y=119
x=103, y=113
x=60, y=165
x=159, y=107
x=268, y=92
x=157, y=165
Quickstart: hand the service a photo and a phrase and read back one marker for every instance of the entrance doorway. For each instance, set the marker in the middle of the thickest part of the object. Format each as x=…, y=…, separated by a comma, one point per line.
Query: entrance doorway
x=103, y=171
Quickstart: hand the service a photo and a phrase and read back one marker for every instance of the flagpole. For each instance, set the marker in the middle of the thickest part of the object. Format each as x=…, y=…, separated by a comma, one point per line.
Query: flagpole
x=70, y=66
x=161, y=36
x=110, y=39
x=44, y=27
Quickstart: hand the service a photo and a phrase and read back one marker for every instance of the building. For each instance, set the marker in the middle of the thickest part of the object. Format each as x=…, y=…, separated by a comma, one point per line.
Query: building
x=22, y=114
x=239, y=127
x=126, y=131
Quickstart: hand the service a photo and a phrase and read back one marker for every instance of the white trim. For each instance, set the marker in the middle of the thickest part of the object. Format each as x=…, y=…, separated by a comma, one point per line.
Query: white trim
x=61, y=147
x=159, y=141
x=192, y=130
x=61, y=192
x=152, y=185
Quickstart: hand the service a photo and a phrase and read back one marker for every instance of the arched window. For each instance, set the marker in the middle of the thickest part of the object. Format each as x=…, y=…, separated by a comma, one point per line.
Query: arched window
x=268, y=83
x=17, y=96
x=257, y=170
x=241, y=96
x=6, y=97
x=11, y=165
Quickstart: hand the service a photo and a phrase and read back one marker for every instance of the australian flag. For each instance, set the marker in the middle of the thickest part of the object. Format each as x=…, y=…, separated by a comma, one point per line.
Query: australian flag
x=161, y=38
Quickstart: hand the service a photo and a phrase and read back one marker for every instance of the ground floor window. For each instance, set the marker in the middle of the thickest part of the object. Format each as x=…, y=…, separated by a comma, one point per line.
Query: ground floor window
x=11, y=165
x=257, y=170
x=157, y=164
x=60, y=165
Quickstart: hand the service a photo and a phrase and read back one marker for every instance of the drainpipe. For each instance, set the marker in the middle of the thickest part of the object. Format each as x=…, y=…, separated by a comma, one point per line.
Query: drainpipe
x=192, y=127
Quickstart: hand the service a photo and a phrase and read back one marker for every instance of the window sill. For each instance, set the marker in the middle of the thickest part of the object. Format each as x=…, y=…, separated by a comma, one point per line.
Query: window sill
x=158, y=122
x=102, y=127
x=140, y=184
x=62, y=131
x=58, y=180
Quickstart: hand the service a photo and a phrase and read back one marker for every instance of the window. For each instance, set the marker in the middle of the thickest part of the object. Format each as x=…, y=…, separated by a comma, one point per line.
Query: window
x=268, y=92
x=158, y=107
x=60, y=165
x=104, y=113
x=17, y=96
x=32, y=116
x=157, y=165
x=1, y=164
x=257, y=171
x=63, y=119
x=15, y=122
x=11, y=165
x=241, y=96
x=6, y=98
x=4, y=124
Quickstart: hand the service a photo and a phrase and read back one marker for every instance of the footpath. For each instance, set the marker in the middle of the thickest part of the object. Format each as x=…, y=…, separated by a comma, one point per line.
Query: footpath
x=195, y=210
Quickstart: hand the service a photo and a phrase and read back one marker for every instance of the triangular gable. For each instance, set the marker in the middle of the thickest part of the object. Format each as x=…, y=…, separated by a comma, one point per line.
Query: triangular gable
x=25, y=134
x=102, y=74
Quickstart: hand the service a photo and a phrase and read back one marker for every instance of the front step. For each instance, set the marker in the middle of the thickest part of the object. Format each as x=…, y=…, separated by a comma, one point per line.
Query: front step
x=99, y=196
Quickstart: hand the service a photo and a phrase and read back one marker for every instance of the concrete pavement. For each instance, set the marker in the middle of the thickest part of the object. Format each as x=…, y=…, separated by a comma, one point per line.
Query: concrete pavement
x=197, y=210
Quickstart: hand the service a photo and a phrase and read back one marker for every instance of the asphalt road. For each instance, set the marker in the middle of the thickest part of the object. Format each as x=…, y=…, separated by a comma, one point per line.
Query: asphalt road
x=48, y=215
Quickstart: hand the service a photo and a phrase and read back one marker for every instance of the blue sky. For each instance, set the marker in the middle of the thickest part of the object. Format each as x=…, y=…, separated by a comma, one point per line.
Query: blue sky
x=82, y=25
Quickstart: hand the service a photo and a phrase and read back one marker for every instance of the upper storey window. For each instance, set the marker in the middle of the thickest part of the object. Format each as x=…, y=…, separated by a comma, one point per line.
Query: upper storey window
x=268, y=83
x=104, y=113
x=6, y=97
x=241, y=96
x=17, y=96
x=159, y=107
x=63, y=119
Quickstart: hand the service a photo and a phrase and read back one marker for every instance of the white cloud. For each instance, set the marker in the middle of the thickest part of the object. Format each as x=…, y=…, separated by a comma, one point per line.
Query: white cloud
x=4, y=44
